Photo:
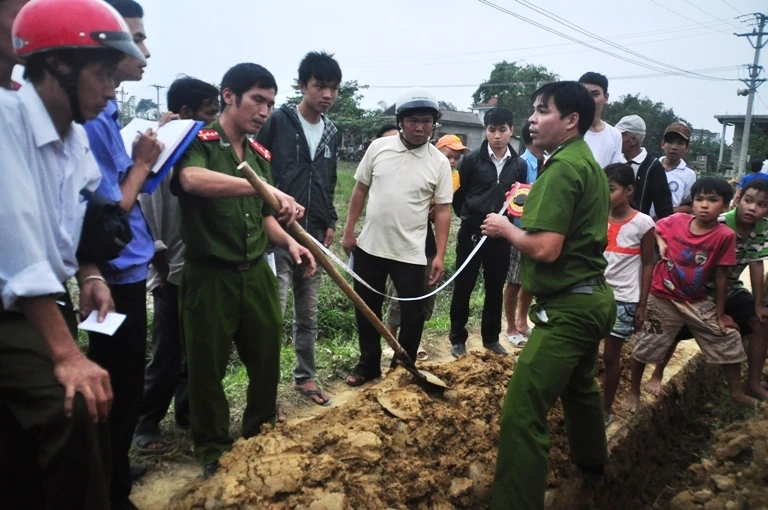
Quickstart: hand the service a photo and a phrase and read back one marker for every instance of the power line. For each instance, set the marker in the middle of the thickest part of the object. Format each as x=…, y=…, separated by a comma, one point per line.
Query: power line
x=681, y=15
x=685, y=28
x=573, y=26
x=519, y=57
x=705, y=12
x=761, y=100
x=487, y=85
x=730, y=5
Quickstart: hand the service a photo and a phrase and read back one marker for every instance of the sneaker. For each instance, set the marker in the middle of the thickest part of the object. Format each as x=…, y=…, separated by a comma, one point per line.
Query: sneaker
x=496, y=348
x=459, y=350
x=210, y=469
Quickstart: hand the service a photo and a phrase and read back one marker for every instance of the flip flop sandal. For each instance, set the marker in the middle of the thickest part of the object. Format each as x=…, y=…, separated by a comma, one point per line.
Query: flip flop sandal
x=517, y=340
x=142, y=444
x=326, y=401
x=609, y=418
x=356, y=380
x=422, y=355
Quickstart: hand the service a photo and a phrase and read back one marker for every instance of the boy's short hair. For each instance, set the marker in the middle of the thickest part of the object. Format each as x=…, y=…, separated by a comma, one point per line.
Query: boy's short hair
x=127, y=8
x=527, y=140
x=569, y=97
x=321, y=66
x=595, y=79
x=760, y=185
x=243, y=77
x=190, y=92
x=386, y=127
x=714, y=185
x=755, y=165
x=498, y=117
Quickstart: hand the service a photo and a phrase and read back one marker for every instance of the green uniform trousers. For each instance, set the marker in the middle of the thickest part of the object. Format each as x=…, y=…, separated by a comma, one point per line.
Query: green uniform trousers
x=219, y=306
x=558, y=361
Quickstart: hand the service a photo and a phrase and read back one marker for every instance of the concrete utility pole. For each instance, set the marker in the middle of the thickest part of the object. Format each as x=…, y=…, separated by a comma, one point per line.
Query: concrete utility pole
x=158, y=87
x=754, y=71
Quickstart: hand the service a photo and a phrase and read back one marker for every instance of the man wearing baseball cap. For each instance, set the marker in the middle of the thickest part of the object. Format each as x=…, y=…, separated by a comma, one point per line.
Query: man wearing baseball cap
x=651, y=186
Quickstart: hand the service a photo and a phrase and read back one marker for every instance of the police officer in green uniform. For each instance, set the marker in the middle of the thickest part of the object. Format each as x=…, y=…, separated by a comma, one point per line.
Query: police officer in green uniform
x=228, y=292
x=563, y=235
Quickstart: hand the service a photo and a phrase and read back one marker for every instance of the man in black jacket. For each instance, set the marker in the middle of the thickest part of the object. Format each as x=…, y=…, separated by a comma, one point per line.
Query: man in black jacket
x=486, y=176
x=651, y=187
x=303, y=145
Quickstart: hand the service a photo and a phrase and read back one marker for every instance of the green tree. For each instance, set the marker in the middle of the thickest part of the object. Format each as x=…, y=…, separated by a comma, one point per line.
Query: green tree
x=146, y=109
x=513, y=84
x=758, y=144
x=655, y=114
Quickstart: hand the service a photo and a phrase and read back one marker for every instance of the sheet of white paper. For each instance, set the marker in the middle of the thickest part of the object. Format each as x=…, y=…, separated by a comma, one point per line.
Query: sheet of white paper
x=111, y=322
x=171, y=134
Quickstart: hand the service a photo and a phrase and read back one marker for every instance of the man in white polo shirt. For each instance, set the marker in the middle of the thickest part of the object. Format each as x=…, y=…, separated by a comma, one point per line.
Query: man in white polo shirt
x=399, y=176
x=677, y=138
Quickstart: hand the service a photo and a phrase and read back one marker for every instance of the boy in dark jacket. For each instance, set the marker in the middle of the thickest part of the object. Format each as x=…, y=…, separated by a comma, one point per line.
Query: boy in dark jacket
x=302, y=141
x=486, y=176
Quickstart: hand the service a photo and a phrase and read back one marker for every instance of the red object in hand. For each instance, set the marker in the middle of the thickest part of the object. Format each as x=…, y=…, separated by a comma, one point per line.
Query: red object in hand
x=516, y=198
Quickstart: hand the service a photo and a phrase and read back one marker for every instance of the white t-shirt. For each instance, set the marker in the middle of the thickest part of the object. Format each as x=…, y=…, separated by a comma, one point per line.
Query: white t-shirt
x=313, y=133
x=680, y=181
x=402, y=185
x=605, y=145
x=623, y=253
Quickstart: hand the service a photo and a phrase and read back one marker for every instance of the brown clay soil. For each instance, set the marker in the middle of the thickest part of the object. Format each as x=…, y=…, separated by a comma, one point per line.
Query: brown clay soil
x=735, y=474
x=395, y=446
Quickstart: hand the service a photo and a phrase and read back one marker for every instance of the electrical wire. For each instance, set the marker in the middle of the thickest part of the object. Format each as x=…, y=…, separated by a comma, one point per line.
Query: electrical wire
x=573, y=39
x=487, y=85
x=705, y=12
x=680, y=14
x=573, y=26
x=730, y=5
x=399, y=58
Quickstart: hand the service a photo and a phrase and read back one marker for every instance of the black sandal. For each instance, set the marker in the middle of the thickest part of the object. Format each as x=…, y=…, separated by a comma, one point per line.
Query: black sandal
x=356, y=380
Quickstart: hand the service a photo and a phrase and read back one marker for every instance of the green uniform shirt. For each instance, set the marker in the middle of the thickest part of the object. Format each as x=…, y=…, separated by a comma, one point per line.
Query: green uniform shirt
x=227, y=230
x=570, y=197
x=752, y=249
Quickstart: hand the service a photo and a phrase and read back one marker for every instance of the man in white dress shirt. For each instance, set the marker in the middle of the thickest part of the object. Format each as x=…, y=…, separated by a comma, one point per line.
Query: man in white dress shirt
x=50, y=389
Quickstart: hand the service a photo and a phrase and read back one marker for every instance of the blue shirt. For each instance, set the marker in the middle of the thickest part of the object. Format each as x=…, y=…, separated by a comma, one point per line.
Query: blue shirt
x=533, y=171
x=751, y=177
x=132, y=265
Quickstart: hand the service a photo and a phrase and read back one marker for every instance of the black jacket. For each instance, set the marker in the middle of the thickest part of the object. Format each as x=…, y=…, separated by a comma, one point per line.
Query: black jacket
x=310, y=179
x=651, y=187
x=481, y=189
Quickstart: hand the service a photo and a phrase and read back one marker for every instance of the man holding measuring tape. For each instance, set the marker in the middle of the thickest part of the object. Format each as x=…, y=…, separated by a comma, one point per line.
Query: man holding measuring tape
x=563, y=235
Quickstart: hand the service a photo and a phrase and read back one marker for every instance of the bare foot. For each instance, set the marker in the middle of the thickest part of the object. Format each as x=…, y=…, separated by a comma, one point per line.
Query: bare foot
x=280, y=414
x=630, y=403
x=760, y=392
x=743, y=401
x=653, y=386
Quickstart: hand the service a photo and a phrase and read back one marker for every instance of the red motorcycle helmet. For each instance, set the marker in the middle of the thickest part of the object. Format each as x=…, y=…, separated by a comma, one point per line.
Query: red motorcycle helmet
x=47, y=25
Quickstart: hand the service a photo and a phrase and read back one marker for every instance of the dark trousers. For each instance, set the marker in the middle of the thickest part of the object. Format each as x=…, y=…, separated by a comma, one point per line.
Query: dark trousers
x=494, y=259
x=166, y=373
x=122, y=355
x=48, y=460
x=409, y=282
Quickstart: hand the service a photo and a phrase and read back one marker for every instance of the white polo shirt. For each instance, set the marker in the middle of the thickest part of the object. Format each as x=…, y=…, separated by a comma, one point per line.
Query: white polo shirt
x=402, y=185
x=680, y=179
x=42, y=211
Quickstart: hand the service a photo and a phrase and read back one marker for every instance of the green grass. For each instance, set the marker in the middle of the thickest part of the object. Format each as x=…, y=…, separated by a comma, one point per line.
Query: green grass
x=336, y=350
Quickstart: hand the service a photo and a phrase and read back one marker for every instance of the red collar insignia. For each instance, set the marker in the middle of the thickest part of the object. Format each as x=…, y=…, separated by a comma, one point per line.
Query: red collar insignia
x=208, y=135
x=261, y=150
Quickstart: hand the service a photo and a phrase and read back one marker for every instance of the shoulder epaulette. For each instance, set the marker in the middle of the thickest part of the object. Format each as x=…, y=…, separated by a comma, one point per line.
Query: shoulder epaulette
x=208, y=135
x=261, y=150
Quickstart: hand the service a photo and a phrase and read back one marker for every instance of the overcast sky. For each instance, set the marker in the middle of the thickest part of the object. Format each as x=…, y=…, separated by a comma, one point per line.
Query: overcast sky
x=454, y=44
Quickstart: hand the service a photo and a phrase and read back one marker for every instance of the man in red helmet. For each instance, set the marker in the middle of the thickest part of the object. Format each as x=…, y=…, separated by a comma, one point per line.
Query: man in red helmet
x=57, y=396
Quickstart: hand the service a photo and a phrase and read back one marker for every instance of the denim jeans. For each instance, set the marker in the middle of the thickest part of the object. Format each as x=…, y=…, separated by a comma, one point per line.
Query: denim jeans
x=305, y=294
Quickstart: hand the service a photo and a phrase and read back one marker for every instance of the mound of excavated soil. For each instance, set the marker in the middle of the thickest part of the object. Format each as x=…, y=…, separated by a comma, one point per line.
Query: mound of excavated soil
x=394, y=446
x=735, y=475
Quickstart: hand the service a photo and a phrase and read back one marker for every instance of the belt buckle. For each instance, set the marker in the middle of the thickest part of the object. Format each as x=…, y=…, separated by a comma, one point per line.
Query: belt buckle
x=245, y=266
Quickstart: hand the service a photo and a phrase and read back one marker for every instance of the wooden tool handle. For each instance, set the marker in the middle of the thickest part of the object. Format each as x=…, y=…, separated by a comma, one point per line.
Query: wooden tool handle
x=303, y=238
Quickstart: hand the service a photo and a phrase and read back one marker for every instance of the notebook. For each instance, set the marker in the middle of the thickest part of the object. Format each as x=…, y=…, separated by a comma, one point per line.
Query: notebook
x=176, y=136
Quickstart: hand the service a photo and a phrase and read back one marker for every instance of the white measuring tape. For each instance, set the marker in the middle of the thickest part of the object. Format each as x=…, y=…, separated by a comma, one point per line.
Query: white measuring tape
x=350, y=271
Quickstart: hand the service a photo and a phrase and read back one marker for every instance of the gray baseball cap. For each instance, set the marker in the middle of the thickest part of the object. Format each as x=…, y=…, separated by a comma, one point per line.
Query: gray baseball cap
x=631, y=124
